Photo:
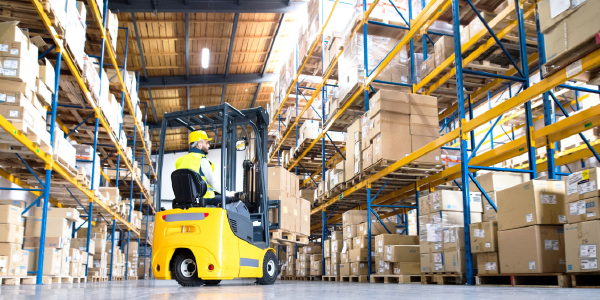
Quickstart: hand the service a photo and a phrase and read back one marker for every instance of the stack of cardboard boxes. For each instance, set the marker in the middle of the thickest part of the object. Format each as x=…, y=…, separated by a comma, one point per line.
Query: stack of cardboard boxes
x=294, y=213
x=310, y=260
x=333, y=250
x=290, y=262
x=441, y=225
x=532, y=215
x=397, y=254
x=132, y=259
x=583, y=213
x=13, y=260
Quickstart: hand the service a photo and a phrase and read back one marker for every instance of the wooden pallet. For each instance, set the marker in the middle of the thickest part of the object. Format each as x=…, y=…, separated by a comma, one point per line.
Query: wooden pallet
x=117, y=278
x=554, y=280
x=17, y=280
x=132, y=278
x=67, y=279
x=355, y=278
x=331, y=278
x=288, y=277
x=585, y=280
x=97, y=278
x=282, y=236
x=395, y=278
x=310, y=278
x=443, y=279
x=68, y=168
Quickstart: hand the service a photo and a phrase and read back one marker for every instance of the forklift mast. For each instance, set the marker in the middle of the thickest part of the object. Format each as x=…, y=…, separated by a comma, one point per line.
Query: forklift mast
x=225, y=121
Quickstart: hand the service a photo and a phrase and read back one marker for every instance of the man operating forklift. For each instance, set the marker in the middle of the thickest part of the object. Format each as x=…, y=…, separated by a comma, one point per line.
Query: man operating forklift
x=196, y=160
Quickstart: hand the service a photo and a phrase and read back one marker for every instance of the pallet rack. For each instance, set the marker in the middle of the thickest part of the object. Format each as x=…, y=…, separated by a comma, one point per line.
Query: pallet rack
x=459, y=133
x=56, y=187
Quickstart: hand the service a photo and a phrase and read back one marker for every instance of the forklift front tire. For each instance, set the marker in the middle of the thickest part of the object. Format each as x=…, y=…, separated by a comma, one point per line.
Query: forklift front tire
x=186, y=270
x=269, y=269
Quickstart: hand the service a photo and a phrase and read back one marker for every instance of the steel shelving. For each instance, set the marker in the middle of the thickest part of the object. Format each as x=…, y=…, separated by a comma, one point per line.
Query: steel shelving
x=459, y=122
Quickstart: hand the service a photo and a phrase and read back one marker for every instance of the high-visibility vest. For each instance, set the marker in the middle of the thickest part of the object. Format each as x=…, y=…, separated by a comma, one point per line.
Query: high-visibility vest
x=192, y=162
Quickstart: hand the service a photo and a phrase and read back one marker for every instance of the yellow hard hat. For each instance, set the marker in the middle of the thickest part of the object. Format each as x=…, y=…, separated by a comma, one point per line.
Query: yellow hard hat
x=198, y=135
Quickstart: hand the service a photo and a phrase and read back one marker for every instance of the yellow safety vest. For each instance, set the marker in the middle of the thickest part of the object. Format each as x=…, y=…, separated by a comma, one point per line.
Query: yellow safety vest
x=192, y=161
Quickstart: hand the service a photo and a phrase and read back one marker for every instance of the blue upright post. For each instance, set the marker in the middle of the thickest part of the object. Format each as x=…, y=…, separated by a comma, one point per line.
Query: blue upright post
x=40, y=265
x=417, y=192
x=91, y=209
x=112, y=246
x=324, y=222
x=366, y=60
x=463, y=145
x=412, y=49
x=131, y=200
x=369, y=211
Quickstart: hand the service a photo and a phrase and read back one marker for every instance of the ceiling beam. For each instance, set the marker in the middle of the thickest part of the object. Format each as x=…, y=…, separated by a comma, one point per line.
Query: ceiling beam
x=199, y=66
x=230, y=50
x=187, y=46
x=196, y=80
x=200, y=21
x=220, y=6
x=158, y=99
x=255, y=95
x=139, y=44
x=272, y=46
x=183, y=53
x=202, y=38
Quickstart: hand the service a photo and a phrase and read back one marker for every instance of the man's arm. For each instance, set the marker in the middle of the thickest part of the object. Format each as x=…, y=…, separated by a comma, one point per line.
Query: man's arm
x=210, y=177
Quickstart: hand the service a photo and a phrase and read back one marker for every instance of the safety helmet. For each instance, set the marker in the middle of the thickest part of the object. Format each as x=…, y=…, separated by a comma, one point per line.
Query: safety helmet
x=198, y=135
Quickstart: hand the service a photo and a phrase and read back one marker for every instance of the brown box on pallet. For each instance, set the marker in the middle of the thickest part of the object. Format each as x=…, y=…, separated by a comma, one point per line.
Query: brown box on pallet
x=350, y=232
x=402, y=253
x=389, y=122
x=536, y=202
x=454, y=239
x=348, y=245
x=443, y=49
x=583, y=210
x=344, y=269
x=354, y=217
x=11, y=215
x=55, y=227
x=377, y=228
x=427, y=66
x=70, y=214
x=582, y=185
x=337, y=235
x=487, y=263
x=424, y=205
x=327, y=248
x=359, y=268
x=424, y=125
x=304, y=220
x=423, y=105
x=385, y=146
x=496, y=181
x=454, y=261
x=541, y=249
x=312, y=249
x=336, y=258
x=418, y=142
x=484, y=237
x=581, y=242
x=277, y=178
x=344, y=257
x=354, y=136
x=383, y=240
x=407, y=268
x=360, y=254
x=362, y=242
x=367, y=157
x=390, y=101
x=426, y=263
x=11, y=233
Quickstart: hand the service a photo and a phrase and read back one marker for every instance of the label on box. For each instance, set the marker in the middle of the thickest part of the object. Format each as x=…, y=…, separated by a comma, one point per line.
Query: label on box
x=439, y=267
x=6, y=72
x=488, y=207
x=577, y=208
x=586, y=187
x=389, y=257
x=572, y=182
x=548, y=199
x=475, y=197
x=576, y=67
x=437, y=257
x=490, y=266
x=562, y=219
x=591, y=215
x=381, y=263
x=11, y=99
x=589, y=264
x=588, y=251
x=551, y=245
x=529, y=217
x=479, y=233
x=532, y=265
x=11, y=64
x=488, y=245
x=3, y=47
x=14, y=51
x=13, y=113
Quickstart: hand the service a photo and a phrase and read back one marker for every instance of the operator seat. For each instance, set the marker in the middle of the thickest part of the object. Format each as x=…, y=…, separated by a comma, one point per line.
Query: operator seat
x=189, y=189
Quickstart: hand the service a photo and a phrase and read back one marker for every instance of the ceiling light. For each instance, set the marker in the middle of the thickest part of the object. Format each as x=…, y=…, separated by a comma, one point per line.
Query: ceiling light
x=205, y=58
x=246, y=90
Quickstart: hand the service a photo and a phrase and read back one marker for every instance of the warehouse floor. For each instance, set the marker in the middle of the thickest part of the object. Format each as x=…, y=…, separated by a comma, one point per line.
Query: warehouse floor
x=245, y=289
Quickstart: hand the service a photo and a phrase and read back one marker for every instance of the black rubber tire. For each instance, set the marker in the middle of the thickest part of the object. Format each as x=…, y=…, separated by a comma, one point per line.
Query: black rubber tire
x=267, y=279
x=211, y=282
x=179, y=277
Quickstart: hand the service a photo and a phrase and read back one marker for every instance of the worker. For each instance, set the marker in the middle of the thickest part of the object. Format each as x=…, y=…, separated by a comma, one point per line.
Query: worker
x=196, y=160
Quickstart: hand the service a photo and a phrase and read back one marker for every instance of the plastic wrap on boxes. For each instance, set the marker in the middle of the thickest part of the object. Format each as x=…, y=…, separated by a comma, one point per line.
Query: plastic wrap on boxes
x=87, y=166
x=385, y=10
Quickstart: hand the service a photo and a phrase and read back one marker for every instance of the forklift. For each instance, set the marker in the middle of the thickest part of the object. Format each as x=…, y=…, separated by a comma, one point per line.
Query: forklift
x=197, y=244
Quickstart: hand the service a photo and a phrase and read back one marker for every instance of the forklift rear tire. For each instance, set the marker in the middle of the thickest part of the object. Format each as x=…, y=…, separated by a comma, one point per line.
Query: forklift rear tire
x=269, y=269
x=186, y=270
x=211, y=282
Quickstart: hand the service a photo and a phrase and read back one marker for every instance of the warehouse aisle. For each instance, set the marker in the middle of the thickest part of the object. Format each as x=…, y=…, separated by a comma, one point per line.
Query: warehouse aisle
x=245, y=289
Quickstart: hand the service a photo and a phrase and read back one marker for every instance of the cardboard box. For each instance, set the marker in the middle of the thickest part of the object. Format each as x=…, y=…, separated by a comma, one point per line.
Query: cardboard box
x=452, y=201
x=11, y=215
x=581, y=241
x=402, y=253
x=277, y=178
x=390, y=101
x=541, y=249
x=336, y=258
x=536, y=202
x=344, y=256
x=357, y=255
x=14, y=254
x=354, y=136
x=454, y=261
x=582, y=185
x=313, y=249
x=367, y=157
x=487, y=263
x=407, y=268
x=377, y=228
x=496, y=181
x=354, y=217
x=11, y=233
x=423, y=105
x=426, y=263
x=359, y=268
x=50, y=242
x=337, y=235
x=55, y=227
x=386, y=146
x=484, y=237
x=465, y=35
x=424, y=205
x=55, y=212
x=362, y=242
x=350, y=231
x=427, y=66
x=304, y=221
x=389, y=122
x=418, y=142
x=454, y=239
x=424, y=126
x=437, y=262
x=383, y=240
x=443, y=49
x=344, y=269
x=583, y=210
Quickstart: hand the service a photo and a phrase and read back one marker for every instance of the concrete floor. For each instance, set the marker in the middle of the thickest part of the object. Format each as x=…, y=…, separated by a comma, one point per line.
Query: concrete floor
x=304, y=290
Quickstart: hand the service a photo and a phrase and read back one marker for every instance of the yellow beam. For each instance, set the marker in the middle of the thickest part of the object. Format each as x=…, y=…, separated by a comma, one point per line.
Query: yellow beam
x=105, y=176
x=333, y=160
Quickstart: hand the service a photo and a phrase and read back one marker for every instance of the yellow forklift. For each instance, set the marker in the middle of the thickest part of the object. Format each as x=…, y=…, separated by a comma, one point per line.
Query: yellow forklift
x=197, y=244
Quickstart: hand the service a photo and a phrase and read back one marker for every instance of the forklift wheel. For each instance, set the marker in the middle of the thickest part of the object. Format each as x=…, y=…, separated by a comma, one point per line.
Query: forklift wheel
x=186, y=270
x=211, y=282
x=269, y=269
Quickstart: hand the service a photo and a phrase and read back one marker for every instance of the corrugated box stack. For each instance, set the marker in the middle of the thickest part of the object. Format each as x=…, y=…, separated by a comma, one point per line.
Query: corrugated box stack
x=582, y=197
x=132, y=259
x=397, y=254
x=290, y=262
x=12, y=259
x=310, y=260
x=118, y=266
x=531, y=215
x=333, y=250
x=294, y=215
x=441, y=225
x=99, y=257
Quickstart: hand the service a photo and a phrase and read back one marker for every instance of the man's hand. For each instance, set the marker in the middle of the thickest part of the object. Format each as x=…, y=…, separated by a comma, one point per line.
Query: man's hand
x=229, y=193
